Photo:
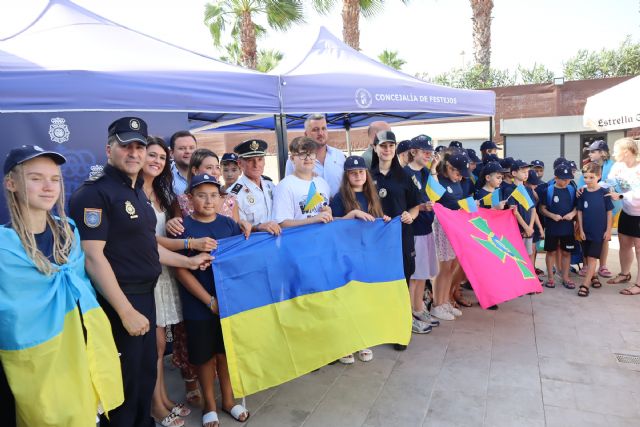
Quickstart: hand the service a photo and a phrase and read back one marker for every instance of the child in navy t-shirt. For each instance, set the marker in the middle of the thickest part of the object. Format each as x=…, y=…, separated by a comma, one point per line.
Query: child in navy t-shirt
x=594, y=220
x=558, y=206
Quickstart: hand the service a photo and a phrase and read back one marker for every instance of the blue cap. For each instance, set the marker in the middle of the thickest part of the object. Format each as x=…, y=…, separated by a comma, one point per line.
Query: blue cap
x=533, y=178
x=573, y=165
x=519, y=164
x=559, y=161
x=229, y=157
x=488, y=145
x=197, y=180
x=460, y=161
x=491, y=158
x=455, y=144
x=422, y=142
x=403, y=146
x=440, y=148
x=492, y=167
x=128, y=130
x=537, y=164
x=507, y=162
x=354, y=162
x=473, y=156
x=598, y=144
x=21, y=154
x=563, y=171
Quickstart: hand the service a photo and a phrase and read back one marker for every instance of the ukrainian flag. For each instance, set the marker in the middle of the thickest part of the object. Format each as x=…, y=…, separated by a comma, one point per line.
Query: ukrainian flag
x=522, y=196
x=313, y=198
x=58, y=376
x=323, y=291
x=468, y=205
x=434, y=189
x=492, y=199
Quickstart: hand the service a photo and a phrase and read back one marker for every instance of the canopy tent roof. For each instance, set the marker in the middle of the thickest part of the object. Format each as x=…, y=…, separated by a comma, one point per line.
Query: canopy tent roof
x=70, y=59
x=614, y=108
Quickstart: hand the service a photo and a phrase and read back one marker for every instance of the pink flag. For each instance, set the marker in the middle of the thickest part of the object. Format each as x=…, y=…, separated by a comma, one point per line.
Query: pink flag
x=491, y=252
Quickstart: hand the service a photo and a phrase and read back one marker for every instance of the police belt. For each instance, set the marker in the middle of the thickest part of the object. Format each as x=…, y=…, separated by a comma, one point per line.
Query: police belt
x=138, y=287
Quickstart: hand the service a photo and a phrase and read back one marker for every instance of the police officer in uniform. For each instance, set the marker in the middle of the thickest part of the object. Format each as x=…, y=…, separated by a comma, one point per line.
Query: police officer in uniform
x=254, y=191
x=116, y=223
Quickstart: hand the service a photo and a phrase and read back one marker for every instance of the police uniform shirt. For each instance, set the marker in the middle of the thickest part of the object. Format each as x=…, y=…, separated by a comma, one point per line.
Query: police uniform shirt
x=255, y=204
x=337, y=205
x=397, y=194
x=561, y=204
x=107, y=208
x=594, y=206
x=480, y=193
x=332, y=169
x=525, y=214
x=453, y=193
x=423, y=222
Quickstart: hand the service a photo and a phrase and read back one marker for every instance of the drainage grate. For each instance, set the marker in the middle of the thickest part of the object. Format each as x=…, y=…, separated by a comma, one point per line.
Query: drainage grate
x=628, y=358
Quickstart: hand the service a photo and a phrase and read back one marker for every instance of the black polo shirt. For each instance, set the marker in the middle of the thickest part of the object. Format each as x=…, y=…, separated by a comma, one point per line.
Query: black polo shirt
x=109, y=209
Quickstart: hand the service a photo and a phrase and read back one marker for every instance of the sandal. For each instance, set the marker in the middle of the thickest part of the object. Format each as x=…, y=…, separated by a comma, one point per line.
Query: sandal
x=539, y=272
x=181, y=410
x=583, y=271
x=550, y=284
x=568, y=284
x=595, y=282
x=365, y=355
x=347, y=360
x=620, y=278
x=194, y=397
x=210, y=418
x=583, y=291
x=604, y=271
x=171, y=420
x=631, y=290
x=238, y=411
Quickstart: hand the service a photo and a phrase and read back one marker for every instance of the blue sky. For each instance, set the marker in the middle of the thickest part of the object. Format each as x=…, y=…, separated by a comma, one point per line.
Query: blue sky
x=429, y=34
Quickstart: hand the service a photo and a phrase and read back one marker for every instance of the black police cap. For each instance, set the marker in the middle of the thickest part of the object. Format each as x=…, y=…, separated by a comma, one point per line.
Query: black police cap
x=128, y=130
x=251, y=148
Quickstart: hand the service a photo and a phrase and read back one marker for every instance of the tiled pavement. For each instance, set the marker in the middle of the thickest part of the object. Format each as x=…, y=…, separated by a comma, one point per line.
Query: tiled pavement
x=539, y=360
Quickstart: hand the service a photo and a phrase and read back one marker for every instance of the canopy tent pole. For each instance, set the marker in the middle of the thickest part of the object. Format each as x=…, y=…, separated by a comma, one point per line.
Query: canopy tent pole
x=490, y=128
x=281, y=149
x=347, y=127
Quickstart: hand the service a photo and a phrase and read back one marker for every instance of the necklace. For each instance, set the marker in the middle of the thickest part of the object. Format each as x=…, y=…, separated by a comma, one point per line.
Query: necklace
x=151, y=196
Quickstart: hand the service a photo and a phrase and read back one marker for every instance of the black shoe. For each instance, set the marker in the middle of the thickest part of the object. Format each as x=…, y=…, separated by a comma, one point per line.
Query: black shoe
x=467, y=285
x=399, y=347
x=493, y=307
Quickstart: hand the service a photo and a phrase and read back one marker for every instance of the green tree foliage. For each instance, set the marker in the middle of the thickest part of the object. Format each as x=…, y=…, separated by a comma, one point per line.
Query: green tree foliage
x=622, y=61
x=536, y=74
x=473, y=78
x=268, y=59
x=391, y=59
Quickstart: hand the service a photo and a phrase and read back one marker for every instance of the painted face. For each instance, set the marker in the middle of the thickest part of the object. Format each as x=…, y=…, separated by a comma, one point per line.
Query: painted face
x=230, y=172
x=357, y=178
x=155, y=161
x=253, y=167
x=591, y=179
x=183, y=148
x=206, y=199
x=127, y=158
x=209, y=165
x=318, y=131
x=43, y=184
x=304, y=161
x=494, y=179
x=386, y=151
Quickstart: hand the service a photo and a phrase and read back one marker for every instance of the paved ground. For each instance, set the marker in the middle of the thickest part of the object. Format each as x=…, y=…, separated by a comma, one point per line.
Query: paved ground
x=539, y=360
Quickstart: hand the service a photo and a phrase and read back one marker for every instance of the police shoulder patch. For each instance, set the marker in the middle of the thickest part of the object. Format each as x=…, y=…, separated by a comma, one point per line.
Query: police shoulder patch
x=266, y=178
x=92, y=217
x=236, y=188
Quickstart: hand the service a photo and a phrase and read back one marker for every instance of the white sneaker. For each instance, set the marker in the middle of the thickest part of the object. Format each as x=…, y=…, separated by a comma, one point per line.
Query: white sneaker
x=442, y=313
x=420, y=327
x=451, y=309
x=426, y=317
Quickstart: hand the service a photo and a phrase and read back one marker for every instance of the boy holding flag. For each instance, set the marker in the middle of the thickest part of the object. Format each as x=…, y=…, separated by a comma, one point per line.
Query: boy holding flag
x=522, y=199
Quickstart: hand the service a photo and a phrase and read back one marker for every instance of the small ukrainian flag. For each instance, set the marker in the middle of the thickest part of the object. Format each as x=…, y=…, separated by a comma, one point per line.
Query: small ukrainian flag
x=468, y=204
x=434, y=189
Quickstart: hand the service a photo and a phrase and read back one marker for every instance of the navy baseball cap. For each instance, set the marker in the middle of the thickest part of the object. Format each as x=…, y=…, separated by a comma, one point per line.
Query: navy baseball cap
x=460, y=161
x=229, y=157
x=440, y=148
x=21, y=154
x=455, y=144
x=507, y=162
x=251, y=148
x=422, y=142
x=491, y=158
x=598, y=145
x=492, y=167
x=473, y=156
x=354, y=162
x=537, y=164
x=128, y=130
x=563, y=171
x=519, y=164
x=488, y=145
x=559, y=161
x=403, y=146
x=573, y=165
x=384, y=136
x=533, y=178
x=197, y=180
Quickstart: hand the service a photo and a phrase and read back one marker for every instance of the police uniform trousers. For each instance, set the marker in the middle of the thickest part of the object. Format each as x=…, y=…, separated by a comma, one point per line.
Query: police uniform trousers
x=138, y=358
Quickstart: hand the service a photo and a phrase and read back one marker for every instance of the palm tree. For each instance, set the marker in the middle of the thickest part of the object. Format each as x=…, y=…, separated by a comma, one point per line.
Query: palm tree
x=482, y=34
x=267, y=59
x=390, y=58
x=281, y=14
x=351, y=11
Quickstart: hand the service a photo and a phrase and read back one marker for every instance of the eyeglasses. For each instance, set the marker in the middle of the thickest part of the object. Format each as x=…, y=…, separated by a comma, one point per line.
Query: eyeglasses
x=305, y=156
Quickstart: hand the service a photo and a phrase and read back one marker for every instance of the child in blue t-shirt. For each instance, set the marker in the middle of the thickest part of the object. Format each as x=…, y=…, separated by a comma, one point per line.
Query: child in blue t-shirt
x=526, y=217
x=492, y=178
x=559, y=207
x=533, y=181
x=595, y=218
x=205, y=343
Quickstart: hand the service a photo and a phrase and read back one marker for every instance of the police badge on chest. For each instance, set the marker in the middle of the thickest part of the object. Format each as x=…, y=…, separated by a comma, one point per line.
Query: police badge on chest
x=130, y=210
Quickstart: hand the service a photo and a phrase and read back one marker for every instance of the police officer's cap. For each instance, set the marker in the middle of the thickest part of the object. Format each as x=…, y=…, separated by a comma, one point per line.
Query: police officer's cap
x=403, y=146
x=472, y=155
x=491, y=158
x=533, y=178
x=251, y=148
x=598, y=145
x=572, y=165
x=563, y=171
x=519, y=164
x=507, y=162
x=384, y=136
x=21, y=154
x=128, y=130
x=422, y=142
x=488, y=145
x=460, y=161
x=537, y=164
x=559, y=161
x=455, y=144
x=197, y=180
x=440, y=148
x=229, y=157
x=493, y=167
x=354, y=162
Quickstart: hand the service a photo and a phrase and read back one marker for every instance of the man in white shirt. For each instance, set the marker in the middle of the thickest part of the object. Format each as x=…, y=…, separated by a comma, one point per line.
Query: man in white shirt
x=329, y=162
x=182, y=145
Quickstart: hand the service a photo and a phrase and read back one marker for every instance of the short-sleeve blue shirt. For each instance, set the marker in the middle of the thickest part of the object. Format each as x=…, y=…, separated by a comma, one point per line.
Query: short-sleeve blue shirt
x=561, y=204
x=452, y=194
x=594, y=206
x=423, y=223
x=337, y=205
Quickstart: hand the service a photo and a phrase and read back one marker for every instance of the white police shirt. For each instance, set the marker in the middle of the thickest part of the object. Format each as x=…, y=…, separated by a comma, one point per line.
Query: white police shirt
x=331, y=171
x=255, y=204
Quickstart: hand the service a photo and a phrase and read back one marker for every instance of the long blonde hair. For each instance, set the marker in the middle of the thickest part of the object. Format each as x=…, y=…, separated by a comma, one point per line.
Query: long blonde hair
x=63, y=238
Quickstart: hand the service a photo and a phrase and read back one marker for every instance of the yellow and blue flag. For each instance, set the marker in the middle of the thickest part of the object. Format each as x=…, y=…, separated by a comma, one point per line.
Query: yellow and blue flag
x=56, y=344
x=522, y=196
x=468, y=204
x=492, y=199
x=313, y=198
x=306, y=305
x=434, y=189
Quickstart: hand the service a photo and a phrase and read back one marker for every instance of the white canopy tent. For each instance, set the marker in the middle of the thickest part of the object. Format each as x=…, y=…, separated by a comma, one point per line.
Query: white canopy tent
x=615, y=108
